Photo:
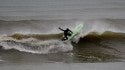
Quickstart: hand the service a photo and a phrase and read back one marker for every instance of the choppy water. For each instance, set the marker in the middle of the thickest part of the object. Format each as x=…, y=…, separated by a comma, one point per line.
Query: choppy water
x=94, y=44
x=29, y=32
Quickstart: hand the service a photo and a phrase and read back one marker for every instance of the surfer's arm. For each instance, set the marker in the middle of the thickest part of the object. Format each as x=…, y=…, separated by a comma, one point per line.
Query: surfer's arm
x=70, y=31
x=61, y=29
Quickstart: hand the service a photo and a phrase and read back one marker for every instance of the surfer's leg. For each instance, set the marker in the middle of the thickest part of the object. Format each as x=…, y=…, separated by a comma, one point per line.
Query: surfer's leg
x=66, y=37
x=69, y=34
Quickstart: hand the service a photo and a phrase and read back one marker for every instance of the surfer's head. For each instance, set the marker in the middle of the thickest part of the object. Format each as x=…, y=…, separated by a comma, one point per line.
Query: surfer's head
x=67, y=29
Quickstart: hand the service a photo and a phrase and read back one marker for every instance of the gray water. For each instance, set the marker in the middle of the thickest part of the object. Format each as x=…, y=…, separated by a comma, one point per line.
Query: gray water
x=61, y=9
x=61, y=66
x=44, y=17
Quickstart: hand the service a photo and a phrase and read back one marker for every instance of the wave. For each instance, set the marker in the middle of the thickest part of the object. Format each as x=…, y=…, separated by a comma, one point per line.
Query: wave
x=106, y=35
x=93, y=47
x=42, y=43
x=51, y=43
x=51, y=26
x=37, y=36
x=35, y=45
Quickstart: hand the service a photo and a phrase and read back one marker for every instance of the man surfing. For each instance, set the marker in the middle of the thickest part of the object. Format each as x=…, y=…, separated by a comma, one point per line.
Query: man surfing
x=67, y=32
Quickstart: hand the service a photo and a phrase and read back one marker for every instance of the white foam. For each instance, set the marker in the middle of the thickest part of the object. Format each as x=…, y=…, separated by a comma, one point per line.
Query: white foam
x=36, y=46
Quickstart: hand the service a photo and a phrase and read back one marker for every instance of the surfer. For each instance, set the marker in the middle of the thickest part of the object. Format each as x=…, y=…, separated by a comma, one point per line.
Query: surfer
x=67, y=32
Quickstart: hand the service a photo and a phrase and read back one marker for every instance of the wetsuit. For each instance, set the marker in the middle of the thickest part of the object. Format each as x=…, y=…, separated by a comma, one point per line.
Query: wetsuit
x=67, y=32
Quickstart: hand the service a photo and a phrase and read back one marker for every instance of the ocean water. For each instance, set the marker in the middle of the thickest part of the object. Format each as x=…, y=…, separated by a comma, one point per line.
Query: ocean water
x=30, y=38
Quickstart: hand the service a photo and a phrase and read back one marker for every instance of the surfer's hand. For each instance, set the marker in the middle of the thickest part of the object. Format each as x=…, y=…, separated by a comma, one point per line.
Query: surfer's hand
x=59, y=27
x=71, y=32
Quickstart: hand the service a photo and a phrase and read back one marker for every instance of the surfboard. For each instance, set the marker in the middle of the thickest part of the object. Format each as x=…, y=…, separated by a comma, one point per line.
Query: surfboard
x=76, y=31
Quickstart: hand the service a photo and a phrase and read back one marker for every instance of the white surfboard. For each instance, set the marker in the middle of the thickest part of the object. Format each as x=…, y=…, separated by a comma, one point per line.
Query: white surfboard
x=76, y=31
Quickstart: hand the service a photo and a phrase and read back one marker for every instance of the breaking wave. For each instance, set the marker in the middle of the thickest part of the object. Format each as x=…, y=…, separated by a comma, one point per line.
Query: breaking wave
x=29, y=36
x=36, y=46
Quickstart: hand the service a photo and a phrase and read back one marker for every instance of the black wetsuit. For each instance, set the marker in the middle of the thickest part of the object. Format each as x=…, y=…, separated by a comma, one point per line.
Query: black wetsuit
x=67, y=32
